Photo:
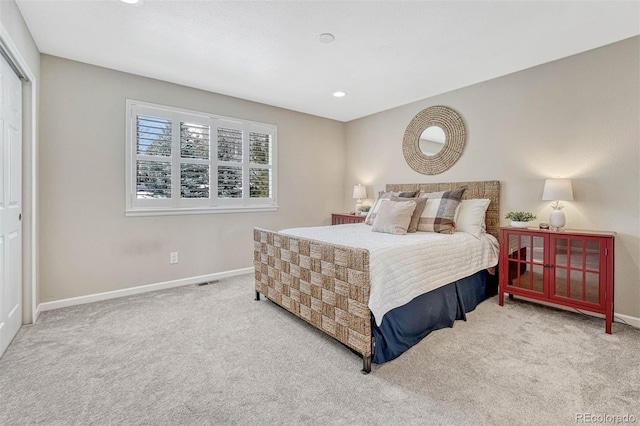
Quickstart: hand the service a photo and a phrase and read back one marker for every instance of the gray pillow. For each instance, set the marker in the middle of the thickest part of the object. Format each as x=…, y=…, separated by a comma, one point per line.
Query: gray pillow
x=415, y=217
x=384, y=196
x=394, y=217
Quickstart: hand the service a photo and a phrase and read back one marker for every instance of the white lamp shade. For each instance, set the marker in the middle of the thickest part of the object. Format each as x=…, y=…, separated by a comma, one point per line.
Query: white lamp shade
x=359, y=191
x=557, y=190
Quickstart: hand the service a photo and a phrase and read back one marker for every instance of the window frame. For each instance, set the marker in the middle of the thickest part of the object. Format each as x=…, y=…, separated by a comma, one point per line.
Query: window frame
x=176, y=205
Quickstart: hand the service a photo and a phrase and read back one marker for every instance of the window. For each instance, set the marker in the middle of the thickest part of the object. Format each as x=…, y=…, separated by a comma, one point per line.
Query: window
x=182, y=161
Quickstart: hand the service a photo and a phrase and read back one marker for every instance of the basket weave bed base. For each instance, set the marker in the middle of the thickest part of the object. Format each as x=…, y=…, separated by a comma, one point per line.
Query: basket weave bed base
x=324, y=284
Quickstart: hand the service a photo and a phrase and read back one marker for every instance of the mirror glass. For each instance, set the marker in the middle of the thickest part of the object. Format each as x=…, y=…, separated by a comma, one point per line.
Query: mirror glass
x=432, y=140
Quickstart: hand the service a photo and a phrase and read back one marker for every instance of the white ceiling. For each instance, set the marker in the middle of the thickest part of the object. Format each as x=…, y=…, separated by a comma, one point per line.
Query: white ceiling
x=385, y=53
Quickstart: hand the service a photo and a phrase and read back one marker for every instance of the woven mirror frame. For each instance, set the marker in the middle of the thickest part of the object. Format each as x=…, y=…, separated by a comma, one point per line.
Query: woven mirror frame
x=455, y=136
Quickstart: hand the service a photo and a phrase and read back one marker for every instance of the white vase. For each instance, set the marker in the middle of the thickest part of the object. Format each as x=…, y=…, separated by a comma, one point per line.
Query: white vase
x=557, y=219
x=517, y=224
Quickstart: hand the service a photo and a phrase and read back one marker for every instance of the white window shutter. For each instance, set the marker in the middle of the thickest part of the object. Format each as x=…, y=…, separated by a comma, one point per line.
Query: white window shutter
x=193, y=162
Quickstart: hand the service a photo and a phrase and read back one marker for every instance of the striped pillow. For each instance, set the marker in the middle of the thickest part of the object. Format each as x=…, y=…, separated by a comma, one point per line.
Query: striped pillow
x=440, y=211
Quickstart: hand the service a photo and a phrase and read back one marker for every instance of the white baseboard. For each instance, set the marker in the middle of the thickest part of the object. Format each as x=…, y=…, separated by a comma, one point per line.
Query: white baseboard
x=37, y=313
x=90, y=298
x=628, y=319
x=621, y=318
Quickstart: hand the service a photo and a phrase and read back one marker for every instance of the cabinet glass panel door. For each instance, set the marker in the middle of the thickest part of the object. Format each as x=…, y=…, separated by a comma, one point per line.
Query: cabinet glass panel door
x=577, y=272
x=525, y=265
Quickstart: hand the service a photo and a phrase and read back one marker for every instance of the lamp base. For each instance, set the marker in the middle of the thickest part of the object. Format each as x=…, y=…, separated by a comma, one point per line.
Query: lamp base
x=557, y=220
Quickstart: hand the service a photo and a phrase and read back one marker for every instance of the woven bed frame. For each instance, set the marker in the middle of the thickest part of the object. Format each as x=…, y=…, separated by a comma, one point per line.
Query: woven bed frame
x=327, y=285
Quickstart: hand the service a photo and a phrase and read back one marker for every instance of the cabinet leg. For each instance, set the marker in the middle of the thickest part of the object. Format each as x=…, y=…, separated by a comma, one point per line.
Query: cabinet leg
x=257, y=295
x=511, y=296
x=500, y=298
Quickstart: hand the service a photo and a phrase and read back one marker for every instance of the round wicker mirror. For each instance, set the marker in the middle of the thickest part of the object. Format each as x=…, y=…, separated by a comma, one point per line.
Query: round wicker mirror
x=455, y=136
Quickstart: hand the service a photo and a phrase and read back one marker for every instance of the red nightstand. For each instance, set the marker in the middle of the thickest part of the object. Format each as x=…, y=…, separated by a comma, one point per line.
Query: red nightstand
x=342, y=218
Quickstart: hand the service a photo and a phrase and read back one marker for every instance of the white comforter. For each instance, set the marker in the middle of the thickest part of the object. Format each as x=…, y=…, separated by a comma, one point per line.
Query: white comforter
x=403, y=267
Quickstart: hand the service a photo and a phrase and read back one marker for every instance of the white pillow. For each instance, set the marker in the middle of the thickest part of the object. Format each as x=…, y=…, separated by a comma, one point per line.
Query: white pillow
x=471, y=215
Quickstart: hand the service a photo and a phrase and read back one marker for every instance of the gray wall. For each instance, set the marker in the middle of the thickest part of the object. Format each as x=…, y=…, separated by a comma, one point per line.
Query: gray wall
x=577, y=117
x=87, y=243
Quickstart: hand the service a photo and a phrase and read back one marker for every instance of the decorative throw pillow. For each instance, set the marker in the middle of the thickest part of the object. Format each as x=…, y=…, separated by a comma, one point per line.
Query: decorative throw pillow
x=382, y=197
x=405, y=194
x=415, y=217
x=471, y=215
x=440, y=210
x=394, y=217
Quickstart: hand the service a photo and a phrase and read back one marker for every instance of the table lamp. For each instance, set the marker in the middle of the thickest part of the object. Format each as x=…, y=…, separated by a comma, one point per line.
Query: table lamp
x=359, y=192
x=557, y=190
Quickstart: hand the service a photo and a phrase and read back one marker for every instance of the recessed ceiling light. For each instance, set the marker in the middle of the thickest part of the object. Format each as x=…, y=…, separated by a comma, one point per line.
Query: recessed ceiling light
x=339, y=94
x=130, y=1
x=326, y=38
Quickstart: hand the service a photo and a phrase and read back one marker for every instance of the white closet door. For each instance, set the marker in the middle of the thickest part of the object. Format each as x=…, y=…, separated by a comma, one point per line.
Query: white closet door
x=10, y=204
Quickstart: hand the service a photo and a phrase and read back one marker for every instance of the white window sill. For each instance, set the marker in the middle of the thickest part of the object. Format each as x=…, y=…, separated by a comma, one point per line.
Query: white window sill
x=198, y=210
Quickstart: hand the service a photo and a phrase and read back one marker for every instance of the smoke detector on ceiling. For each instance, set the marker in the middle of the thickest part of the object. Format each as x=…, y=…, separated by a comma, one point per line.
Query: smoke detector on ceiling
x=326, y=38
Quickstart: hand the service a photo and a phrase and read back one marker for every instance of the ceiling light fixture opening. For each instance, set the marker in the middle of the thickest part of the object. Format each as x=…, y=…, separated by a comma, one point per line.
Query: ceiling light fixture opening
x=130, y=1
x=339, y=94
x=326, y=38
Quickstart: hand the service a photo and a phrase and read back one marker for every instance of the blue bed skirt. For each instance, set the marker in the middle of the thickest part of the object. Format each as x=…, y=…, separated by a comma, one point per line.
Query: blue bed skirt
x=403, y=327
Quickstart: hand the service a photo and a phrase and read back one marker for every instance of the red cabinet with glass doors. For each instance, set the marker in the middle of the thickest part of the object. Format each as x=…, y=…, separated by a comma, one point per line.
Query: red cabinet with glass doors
x=570, y=268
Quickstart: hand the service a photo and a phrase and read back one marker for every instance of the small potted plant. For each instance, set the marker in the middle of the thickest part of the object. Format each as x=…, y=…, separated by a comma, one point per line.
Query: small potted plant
x=520, y=219
x=364, y=210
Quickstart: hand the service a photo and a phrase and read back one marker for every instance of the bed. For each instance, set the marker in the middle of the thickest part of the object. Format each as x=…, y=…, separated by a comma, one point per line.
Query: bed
x=329, y=282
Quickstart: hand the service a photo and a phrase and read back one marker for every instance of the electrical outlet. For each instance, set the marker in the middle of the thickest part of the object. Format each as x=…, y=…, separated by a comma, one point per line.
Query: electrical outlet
x=173, y=257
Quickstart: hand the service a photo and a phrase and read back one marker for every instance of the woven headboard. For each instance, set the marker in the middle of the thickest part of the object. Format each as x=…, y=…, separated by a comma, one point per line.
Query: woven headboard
x=482, y=189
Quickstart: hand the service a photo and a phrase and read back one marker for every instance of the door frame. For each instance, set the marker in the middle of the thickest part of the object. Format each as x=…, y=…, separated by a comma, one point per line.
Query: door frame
x=30, y=307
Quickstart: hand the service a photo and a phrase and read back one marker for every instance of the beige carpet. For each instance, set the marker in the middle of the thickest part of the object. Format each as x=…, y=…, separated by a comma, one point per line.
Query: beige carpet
x=213, y=355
